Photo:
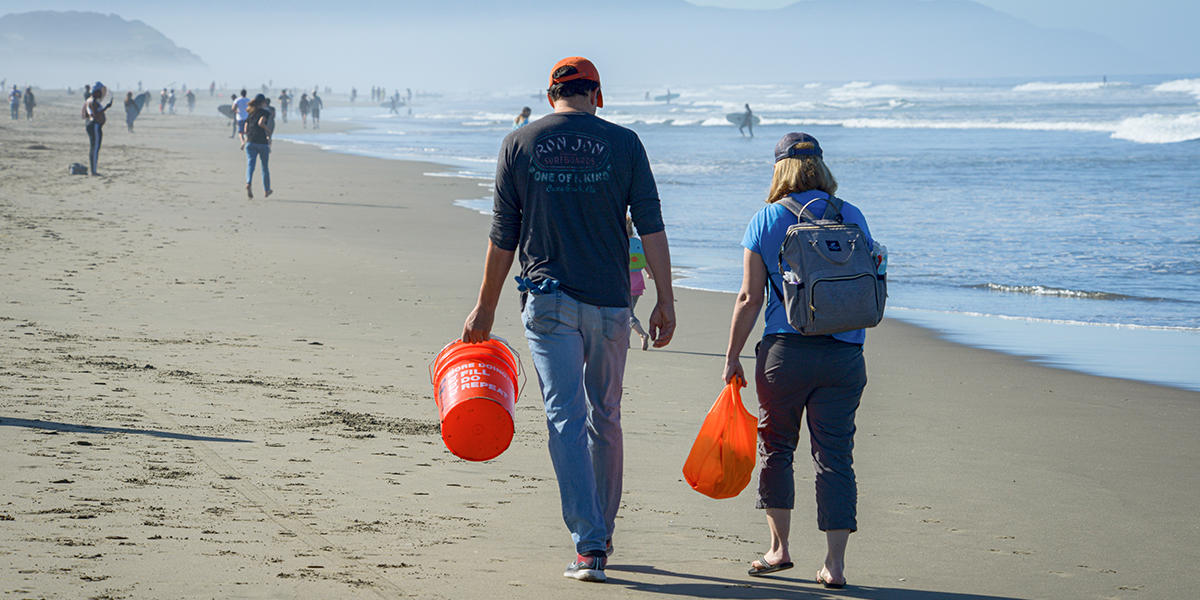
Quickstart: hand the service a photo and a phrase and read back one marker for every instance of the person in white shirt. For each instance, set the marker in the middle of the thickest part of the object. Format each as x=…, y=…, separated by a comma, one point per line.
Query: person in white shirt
x=240, y=115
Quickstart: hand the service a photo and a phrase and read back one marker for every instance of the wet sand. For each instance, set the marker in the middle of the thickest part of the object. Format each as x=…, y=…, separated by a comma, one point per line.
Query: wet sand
x=203, y=395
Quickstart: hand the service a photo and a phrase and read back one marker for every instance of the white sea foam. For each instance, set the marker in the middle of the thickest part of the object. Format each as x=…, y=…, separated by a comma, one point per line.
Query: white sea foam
x=885, y=123
x=1052, y=86
x=1159, y=129
x=1187, y=86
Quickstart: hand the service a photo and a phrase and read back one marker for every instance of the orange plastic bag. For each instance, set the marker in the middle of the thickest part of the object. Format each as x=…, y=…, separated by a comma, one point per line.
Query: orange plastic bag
x=722, y=458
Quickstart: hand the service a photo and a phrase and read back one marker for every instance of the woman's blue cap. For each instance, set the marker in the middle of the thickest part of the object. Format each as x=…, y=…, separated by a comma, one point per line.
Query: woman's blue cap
x=785, y=148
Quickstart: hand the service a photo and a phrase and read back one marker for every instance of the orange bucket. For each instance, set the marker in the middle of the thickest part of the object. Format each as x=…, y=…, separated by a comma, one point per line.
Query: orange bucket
x=475, y=388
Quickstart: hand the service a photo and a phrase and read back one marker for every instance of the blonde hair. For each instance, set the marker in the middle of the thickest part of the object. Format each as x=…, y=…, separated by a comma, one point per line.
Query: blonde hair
x=800, y=174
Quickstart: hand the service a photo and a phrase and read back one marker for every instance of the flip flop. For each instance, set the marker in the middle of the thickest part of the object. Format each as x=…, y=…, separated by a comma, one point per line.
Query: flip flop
x=829, y=584
x=768, y=567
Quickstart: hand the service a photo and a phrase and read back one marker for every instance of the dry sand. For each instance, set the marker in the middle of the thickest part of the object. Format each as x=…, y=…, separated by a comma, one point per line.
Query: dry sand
x=206, y=396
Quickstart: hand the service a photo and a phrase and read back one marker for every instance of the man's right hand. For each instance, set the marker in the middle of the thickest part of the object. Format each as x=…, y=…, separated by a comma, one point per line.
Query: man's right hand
x=478, y=327
x=662, y=323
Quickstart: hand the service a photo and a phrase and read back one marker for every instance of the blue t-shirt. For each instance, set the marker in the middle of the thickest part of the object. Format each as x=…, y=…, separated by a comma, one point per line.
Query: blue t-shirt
x=764, y=236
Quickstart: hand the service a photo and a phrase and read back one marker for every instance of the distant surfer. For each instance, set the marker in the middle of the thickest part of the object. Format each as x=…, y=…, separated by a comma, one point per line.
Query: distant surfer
x=395, y=102
x=131, y=111
x=29, y=103
x=668, y=95
x=285, y=100
x=94, y=114
x=523, y=118
x=314, y=107
x=747, y=122
x=353, y=94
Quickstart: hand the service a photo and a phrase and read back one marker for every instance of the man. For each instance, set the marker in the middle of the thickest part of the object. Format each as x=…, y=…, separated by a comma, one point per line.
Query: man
x=240, y=115
x=563, y=186
x=284, y=100
x=14, y=102
x=314, y=106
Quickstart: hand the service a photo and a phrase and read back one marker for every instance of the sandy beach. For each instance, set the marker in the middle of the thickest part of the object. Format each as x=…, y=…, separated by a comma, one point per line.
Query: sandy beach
x=205, y=396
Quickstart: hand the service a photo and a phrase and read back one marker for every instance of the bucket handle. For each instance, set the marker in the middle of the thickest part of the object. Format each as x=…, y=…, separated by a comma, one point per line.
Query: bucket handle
x=520, y=365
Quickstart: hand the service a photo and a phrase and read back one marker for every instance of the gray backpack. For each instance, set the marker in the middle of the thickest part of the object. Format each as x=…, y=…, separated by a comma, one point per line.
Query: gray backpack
x=830, y=279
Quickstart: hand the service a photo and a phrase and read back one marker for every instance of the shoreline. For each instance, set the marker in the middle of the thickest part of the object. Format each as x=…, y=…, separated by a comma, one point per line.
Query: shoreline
x=240, y=386
x=1156, y=348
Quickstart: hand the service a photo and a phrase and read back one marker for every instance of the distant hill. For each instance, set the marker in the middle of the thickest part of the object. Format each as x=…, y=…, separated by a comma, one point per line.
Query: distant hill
x=60, y=39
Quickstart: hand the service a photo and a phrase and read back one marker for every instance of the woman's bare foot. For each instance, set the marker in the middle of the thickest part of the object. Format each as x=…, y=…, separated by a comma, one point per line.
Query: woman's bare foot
x=249, y=194
x=831, y=580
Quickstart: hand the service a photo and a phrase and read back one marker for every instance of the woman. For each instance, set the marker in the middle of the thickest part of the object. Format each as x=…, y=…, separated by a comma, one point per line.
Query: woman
x=523, y=118
x=258, y=142
x=94, y=114
x=794, y=373
x=304, y=110
x=131, y=111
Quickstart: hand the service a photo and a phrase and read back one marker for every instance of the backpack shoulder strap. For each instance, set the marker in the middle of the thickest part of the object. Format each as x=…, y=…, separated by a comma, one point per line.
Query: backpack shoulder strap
x=833, y=209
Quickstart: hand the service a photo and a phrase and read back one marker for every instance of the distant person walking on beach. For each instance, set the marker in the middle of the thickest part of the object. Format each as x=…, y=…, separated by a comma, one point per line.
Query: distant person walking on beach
x=747, y=122
x=233, y=111
x=240, y=114
x=14, y=102
x=29, y=103
x=304, y=110
x=314, y=106
x=162, y=102
x=191, y=101
x=563, y=186
x=285, y=100
x=821, y=374
x=171, y=102
x=212, y=89
x=637, y=282
x=258, y=142
x=522, y=118
x=93, y=113
x=131, y=111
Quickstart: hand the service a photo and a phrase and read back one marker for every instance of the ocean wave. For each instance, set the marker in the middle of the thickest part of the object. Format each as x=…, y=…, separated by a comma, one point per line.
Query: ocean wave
x=1187, y=86
x=1159, y=129
x=1051, y=86
x=1043, y=290
x=885, y=123
x=1193, y=330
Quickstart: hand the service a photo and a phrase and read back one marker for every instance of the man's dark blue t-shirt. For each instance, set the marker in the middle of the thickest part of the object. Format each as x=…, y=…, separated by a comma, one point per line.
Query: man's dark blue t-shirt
x=563, y=186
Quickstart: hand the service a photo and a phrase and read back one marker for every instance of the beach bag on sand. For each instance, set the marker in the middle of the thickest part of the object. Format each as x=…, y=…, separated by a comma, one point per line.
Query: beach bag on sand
x=722, y=458
x=831, y=279
x=77, y=169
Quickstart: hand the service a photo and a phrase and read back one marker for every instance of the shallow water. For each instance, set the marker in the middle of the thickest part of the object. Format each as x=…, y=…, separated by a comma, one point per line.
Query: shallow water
x=1055, y=219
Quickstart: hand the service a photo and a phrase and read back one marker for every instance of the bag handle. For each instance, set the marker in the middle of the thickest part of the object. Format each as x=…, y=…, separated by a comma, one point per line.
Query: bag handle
x=833, y=208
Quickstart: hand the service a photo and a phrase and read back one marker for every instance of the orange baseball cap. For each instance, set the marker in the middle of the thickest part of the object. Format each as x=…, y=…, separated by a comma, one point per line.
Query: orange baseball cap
x=584, y=69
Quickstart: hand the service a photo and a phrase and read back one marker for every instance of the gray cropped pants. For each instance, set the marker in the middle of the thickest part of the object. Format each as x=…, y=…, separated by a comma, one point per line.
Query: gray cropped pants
x=826, y=378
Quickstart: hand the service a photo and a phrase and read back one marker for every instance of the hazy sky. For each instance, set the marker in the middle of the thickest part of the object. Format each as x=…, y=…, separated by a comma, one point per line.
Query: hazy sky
x=302, y=40
x=1149, y=26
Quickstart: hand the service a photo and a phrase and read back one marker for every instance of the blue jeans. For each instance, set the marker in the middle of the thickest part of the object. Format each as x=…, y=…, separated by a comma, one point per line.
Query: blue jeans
x=262, y=151
x=95, y=133
x=579, y=353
